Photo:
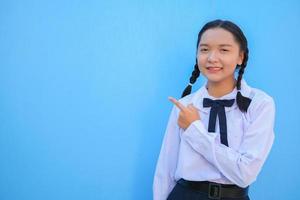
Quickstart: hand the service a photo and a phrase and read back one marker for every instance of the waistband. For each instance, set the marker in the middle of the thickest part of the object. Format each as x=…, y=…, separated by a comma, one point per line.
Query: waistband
x=215, y=190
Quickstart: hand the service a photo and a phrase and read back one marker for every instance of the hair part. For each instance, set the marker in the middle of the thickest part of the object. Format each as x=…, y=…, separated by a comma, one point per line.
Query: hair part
x=242, y=102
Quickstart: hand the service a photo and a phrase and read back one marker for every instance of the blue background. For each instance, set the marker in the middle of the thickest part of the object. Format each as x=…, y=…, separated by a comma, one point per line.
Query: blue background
x=84, y=87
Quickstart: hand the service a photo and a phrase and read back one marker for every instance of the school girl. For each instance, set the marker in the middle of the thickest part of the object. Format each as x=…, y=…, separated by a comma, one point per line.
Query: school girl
x=217, y=138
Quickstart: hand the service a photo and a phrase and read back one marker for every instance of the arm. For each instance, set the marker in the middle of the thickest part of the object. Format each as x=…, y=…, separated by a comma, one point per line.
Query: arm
x=243, y=165
x=164, y=180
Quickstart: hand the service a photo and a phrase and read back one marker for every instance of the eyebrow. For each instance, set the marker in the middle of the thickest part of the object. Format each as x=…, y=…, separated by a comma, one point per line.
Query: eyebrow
x=222, y=45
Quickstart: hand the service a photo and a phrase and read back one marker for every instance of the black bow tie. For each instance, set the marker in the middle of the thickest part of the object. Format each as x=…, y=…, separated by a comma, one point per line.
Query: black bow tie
x=217, y=108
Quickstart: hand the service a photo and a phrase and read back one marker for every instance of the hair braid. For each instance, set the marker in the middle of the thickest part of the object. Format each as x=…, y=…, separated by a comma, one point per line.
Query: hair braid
x=242, y=102
x=193, y=78
x=240, y=76
x=242, y=69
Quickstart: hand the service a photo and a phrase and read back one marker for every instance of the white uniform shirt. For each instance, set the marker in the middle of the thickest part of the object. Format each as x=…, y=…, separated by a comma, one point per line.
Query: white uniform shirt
x=198, y=155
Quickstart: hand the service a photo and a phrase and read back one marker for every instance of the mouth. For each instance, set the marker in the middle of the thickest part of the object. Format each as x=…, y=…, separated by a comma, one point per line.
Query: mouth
x=214, y=69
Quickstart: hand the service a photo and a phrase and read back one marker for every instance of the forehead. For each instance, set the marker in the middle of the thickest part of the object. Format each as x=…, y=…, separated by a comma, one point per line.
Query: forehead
x=217, y=36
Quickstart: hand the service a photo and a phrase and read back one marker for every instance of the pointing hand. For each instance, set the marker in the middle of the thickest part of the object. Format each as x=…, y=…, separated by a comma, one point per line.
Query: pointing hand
x=187, y=114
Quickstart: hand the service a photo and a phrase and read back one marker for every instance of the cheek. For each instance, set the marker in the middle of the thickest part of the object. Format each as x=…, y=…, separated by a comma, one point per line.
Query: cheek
x=230, y=63
x=201, y=61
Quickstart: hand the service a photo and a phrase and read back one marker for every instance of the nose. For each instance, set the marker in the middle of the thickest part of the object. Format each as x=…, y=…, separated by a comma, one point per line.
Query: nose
x=212, y=56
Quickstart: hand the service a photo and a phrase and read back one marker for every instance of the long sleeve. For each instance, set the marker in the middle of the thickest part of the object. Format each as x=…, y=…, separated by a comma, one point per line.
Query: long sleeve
x=164, y=180
x=240, y=166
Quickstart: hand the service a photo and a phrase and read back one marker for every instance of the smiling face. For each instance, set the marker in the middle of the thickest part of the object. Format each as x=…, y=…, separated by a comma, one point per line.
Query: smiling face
x=218, y=54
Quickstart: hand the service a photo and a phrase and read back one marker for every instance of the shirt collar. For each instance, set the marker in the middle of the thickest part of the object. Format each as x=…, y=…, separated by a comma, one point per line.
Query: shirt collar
x=201, y=93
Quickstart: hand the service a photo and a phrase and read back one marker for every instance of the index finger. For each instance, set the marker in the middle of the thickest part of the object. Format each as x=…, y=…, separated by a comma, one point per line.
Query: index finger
x=177, y=103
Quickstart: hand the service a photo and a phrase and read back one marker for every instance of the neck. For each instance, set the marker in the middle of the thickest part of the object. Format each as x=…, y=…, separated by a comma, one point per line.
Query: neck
x=219, y=89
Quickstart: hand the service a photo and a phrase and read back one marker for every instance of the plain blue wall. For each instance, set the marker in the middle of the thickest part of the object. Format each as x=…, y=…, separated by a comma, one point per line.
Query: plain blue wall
x=84, y=87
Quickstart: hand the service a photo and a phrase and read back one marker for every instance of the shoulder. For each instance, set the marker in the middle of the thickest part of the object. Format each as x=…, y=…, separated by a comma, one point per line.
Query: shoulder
x=187, y=99
x=261, y=103
x=261, y=97
x=258, y=96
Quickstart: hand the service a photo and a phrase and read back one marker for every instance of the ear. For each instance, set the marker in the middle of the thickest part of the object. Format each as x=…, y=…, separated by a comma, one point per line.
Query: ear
x=241, y=57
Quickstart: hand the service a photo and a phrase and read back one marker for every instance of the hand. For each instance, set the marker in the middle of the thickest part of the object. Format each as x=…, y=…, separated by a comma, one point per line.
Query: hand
x=187, y=114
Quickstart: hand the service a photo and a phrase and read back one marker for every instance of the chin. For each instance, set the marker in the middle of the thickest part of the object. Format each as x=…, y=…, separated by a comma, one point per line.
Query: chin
x=212, y=78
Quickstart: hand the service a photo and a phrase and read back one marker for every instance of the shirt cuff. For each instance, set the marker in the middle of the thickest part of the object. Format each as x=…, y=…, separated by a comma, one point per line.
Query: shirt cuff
x=196, y=125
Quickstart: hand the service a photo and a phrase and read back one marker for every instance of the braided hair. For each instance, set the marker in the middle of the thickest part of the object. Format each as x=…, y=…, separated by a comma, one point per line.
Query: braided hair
x=242, y=102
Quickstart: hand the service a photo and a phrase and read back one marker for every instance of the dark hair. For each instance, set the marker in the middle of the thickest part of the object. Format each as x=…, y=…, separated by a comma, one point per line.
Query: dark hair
x=242, y=102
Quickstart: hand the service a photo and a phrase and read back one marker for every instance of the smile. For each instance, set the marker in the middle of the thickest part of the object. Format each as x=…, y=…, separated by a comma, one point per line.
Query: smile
x=214, y=69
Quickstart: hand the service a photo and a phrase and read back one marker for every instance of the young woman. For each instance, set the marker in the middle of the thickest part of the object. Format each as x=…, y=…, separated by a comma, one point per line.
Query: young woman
x=218, y=138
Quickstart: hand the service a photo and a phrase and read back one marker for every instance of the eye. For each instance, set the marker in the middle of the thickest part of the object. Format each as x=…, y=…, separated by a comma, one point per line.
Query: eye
x=224, y=50
x=204, y=50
